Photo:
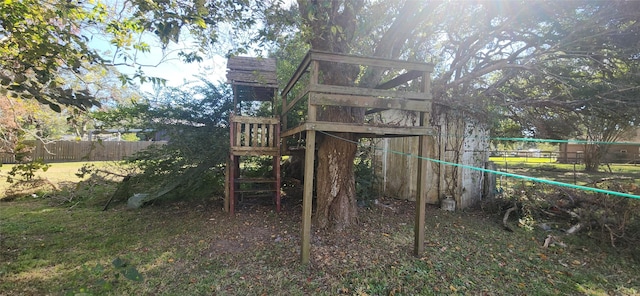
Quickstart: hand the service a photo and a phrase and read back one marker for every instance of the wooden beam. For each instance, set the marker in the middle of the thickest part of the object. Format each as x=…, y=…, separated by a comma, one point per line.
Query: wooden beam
x=369, y=61
x=232, y=184
x=421, y=202
x=309, y=159
x=359, y=91
x=297, y=74
x=369, y=102
x=252, y=119
x=251, y=64
x=363, y=130
x=400, y=79
x=295, y=101
x=421, y=199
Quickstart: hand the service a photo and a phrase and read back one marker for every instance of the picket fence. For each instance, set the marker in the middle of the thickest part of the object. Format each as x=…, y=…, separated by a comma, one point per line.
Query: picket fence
x=69, y=151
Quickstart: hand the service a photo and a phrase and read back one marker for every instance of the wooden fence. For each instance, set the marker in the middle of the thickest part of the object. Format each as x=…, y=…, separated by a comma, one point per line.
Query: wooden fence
x=69, y=151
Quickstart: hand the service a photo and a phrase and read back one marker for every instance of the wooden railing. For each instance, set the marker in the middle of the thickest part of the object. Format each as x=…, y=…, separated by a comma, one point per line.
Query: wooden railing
x=391, y=94
x=254, y=135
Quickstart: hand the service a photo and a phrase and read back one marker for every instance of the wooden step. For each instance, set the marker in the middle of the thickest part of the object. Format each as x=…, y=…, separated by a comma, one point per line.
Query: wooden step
x=255, y=180
x=255, y=190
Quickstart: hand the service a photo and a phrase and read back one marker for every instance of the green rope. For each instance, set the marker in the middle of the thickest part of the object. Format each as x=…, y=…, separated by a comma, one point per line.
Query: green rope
x=534, y=179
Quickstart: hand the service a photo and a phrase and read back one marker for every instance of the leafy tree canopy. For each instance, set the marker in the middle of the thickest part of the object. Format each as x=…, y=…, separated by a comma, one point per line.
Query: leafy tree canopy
x=41, y=42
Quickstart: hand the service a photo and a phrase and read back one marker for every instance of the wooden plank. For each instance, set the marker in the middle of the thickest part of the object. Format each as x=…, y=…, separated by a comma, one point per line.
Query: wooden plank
x=253, y=77
x=251, y=119
x=272, y=136
x=238, y=135
x=247, y=135
x=347, y=90
x=232, y=185
x=251, y=151
x=368, y=129
x=369, y=102
x=369, y=61
x=309, y=159
x=302, y=68
x=276, y=167
x=227, y=171
x=251, y=63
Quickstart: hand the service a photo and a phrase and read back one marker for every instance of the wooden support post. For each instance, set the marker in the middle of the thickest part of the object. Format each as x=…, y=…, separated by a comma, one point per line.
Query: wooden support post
x=421, y=198
x=276, y=165
x=309, y=159
x=232, y=184
x=226, y=186
x=309, y=170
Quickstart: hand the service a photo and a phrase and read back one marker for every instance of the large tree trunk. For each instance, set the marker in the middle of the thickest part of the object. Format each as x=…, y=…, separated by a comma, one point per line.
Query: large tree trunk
x=336, y=187
x=332, y=26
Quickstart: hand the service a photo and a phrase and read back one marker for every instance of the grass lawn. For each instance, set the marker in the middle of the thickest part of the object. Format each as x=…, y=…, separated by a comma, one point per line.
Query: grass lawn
x=192, y=247
x=567, y=173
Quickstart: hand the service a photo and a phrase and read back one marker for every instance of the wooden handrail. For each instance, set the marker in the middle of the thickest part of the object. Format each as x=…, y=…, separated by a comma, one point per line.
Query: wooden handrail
x=254, y=132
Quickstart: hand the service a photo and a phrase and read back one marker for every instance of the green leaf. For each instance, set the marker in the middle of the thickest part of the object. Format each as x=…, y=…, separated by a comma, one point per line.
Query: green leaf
x=118, y=263
x=132, y=274
x=55, y=107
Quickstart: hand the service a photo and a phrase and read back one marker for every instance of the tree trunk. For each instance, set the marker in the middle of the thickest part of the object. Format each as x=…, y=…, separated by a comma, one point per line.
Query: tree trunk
x=336, y=183
x=336, y=187
x=591, y=157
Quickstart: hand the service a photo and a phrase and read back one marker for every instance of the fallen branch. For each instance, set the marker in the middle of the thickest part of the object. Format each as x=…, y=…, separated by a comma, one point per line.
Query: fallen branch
x=611, y=179
x=506, y=217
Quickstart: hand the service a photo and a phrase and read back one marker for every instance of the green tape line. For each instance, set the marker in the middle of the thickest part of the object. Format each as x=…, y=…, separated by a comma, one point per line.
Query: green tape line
x=534, y=179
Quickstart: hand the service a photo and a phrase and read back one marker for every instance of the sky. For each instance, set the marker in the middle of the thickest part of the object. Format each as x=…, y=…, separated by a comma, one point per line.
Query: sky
x=175, y=71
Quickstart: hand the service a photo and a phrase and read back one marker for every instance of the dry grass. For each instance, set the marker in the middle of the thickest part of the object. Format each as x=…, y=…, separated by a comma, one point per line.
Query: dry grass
x=191, y=247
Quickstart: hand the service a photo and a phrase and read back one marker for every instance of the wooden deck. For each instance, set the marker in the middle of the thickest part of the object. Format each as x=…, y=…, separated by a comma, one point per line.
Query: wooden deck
x=407, y=88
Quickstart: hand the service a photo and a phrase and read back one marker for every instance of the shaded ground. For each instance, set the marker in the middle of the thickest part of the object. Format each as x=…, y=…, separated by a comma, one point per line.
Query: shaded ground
x=194, y=248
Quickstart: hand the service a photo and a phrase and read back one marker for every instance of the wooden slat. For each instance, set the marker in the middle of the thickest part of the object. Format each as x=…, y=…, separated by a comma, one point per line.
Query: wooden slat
x=247, y=135
x=251, y=119
x=369, y=102
x=251, y=63
x=346, y=90
x=238, y=133
x=364, y=130
x=369, y=61
x=264, y=142
x=252, y=77
x=271, y=135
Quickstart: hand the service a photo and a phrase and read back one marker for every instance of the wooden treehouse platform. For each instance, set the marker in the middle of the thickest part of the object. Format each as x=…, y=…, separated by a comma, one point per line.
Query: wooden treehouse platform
x=405, y=89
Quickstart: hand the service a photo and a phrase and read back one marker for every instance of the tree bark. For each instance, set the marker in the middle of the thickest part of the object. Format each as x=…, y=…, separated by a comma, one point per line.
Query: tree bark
x=336, y=187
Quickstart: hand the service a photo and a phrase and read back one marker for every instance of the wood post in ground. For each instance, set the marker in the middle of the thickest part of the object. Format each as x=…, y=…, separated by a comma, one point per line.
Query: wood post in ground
x=309, y=159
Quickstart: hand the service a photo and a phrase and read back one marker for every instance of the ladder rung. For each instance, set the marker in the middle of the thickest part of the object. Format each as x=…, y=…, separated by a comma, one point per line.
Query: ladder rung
x=254, y=190
x=255, y=180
